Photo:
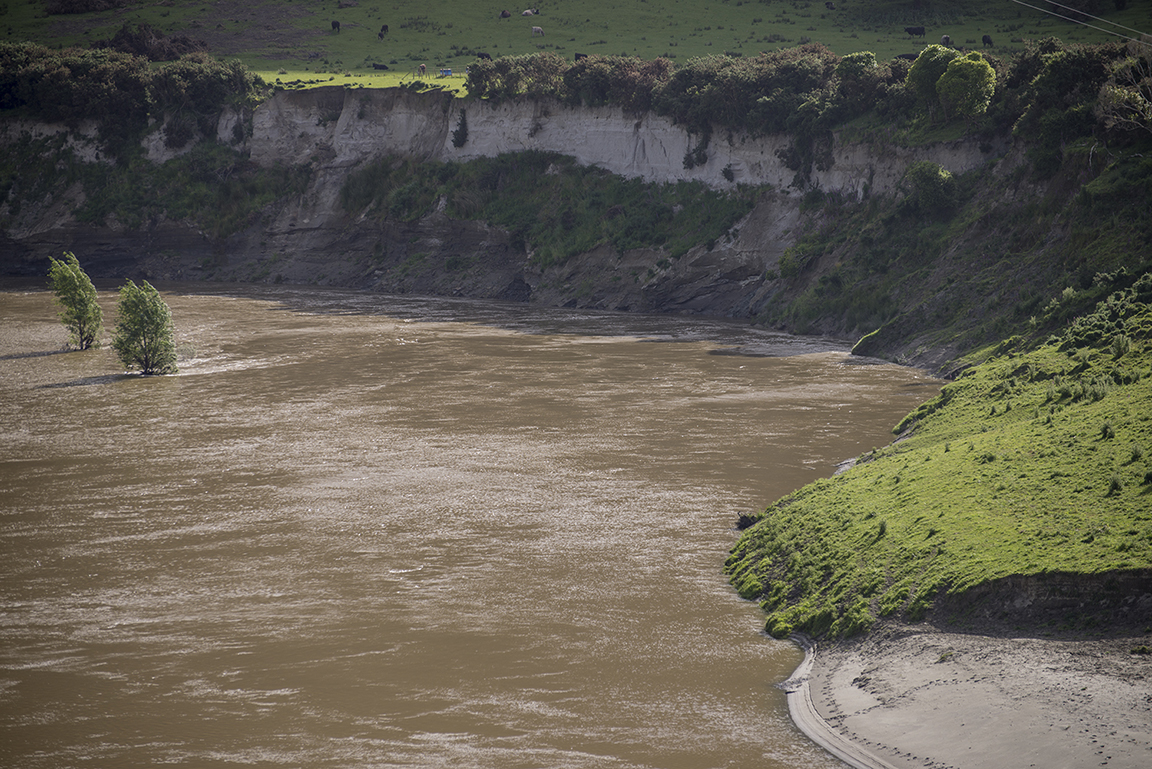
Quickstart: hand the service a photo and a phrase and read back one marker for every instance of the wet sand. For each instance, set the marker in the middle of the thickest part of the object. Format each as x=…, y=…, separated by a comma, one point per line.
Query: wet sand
x=918, y=696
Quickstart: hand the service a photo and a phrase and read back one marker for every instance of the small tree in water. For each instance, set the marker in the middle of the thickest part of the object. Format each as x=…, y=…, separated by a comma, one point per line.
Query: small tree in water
x=144, y=337
x=79, y=311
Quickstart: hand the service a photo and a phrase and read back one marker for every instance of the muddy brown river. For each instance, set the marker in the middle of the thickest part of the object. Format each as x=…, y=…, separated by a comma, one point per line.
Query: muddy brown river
x=369, y=531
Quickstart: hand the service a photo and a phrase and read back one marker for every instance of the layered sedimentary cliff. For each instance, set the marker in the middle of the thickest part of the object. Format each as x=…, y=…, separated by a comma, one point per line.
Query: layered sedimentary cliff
x=310, y=238
x=345, y=127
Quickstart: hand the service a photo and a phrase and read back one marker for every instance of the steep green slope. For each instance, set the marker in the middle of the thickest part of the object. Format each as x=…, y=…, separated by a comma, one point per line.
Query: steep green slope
x=1030, y=463
x=924, y=284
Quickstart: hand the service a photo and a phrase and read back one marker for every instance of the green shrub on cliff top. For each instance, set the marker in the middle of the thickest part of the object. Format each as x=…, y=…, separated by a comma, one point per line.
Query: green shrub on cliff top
x=1056, y=495
x=119, y=91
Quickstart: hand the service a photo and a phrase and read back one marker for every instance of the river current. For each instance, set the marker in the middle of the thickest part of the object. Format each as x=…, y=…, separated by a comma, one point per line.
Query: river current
x=373, y=531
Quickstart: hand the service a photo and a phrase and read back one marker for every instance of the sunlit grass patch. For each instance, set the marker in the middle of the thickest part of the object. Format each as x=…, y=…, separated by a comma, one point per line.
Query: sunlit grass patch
x=1016, y=468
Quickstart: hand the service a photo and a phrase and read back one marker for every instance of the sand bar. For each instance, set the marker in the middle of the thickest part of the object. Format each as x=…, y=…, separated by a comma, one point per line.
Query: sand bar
x=919, y=696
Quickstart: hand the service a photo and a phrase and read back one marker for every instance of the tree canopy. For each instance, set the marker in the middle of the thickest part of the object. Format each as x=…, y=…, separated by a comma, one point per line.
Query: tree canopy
x=120, y=91
x=927, y=70
x=967, y=85
x=79, y=311
x=144, y=337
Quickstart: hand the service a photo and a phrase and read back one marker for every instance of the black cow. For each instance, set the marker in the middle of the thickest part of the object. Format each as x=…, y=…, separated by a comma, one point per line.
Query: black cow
x=945, y=40
x=384, y=29
x=830, y=6
x=335, y=26
x=987, y=41
x=505, y=14
x=580, y=56
x=379, y=66
x=484, y=56
x=915, y=31
x=908, y=56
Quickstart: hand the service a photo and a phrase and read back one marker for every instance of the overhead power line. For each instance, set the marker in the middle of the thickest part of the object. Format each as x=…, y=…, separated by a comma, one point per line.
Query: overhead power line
x=1084, y=23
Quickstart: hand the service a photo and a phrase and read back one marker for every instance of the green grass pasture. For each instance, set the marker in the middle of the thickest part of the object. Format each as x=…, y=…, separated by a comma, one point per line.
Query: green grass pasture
x=297, y=36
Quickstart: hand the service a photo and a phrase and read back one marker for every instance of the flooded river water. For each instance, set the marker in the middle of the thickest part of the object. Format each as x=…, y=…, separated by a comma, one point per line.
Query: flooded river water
x=369, y=531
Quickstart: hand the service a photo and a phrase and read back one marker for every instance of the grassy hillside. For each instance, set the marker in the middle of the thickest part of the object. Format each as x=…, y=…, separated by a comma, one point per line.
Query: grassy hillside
x=297, y=36
x=979, y=267
x=1032, y=463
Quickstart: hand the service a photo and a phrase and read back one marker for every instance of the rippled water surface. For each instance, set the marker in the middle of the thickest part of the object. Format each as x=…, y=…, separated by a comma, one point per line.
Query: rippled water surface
x=369, y=531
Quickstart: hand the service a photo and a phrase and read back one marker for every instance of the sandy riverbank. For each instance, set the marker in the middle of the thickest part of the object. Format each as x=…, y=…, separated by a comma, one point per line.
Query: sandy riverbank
x=921, y=697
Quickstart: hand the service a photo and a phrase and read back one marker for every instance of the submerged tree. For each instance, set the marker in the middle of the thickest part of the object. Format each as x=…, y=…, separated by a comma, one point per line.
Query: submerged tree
x=79, y=311
x=144, y=336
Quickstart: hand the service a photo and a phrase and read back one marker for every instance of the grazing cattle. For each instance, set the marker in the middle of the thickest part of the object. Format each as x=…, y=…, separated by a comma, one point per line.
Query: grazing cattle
x=384, y=29
x=335, y=26
x=580, y=56
x=528, y=12
x=505, y=14
x=915, y=31
x=379, y=66
x=945, y=40
x=484, y=56
x=830, y=6
x=987, y=41
x=537, y=31
x=908, y=56
x=380, y=36
x=422, y=68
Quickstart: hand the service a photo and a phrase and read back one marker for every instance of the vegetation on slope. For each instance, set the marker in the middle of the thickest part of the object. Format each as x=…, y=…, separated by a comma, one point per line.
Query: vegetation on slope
x=1037, y=461
x=120, y=92
x=551, y=205
x=213, y=185
x=955, y=262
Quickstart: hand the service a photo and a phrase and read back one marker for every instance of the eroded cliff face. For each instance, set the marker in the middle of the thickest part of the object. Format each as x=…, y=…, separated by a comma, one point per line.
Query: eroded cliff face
x=346, y=127
x=309, y=238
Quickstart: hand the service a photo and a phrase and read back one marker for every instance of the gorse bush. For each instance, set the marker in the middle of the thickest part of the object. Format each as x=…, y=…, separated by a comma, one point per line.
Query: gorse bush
x=119, y=91
x=967, y=85
x=1051, y=92
x=760, y=94
x=1060, y=87
x=625, y=81
x=931, y=188
x=927, y=70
